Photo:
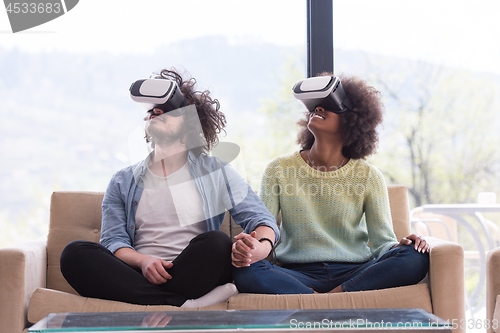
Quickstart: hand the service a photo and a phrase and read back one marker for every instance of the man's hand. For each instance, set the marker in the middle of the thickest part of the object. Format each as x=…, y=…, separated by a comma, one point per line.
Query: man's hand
x=156, y=319
x=154, y=270
x=247, y=250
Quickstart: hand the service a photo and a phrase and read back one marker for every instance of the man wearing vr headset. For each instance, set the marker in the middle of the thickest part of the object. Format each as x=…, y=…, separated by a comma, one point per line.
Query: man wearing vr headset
x=332, y=202
x=160, y=239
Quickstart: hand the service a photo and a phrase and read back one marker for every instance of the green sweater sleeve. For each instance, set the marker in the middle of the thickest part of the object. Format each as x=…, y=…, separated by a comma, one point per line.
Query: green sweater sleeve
x=269, y=188
x=377, y=214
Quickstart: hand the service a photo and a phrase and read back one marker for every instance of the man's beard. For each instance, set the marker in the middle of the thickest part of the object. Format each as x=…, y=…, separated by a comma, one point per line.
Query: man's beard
x=163, y=138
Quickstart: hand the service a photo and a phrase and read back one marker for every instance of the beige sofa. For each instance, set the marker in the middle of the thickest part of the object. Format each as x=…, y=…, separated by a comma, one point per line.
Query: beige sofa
x=493, y=290
x=32, y=285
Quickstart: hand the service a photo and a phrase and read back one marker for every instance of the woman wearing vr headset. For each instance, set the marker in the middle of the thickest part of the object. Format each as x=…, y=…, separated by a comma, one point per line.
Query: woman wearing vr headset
x=332, y=203
x=160, y=240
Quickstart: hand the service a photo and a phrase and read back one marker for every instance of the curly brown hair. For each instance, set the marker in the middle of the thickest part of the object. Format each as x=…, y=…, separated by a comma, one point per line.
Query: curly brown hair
x=212, y=120
x=359, y=125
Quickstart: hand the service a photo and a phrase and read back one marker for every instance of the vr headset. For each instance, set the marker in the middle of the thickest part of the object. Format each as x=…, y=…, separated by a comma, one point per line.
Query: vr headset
x=157, y=93
x=324, y=91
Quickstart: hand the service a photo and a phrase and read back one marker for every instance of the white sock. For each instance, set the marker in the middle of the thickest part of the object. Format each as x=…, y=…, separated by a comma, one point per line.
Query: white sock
x=217, y=295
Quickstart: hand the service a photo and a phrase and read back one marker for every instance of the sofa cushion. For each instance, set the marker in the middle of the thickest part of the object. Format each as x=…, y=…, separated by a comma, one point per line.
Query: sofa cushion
x=415, y=296
x=73, y=215
x=45, y=301
x=77, y=215
x=400, y=210
x=496, y=315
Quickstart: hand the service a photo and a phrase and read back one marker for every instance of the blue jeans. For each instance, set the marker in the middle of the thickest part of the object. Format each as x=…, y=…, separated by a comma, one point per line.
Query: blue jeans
x=398, y=267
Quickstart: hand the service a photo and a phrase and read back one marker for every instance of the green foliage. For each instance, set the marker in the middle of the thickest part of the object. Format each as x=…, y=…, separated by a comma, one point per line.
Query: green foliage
x=29, y=225
x=282, y=112
x=439, y=135
x=279, y=115
x=443, y=144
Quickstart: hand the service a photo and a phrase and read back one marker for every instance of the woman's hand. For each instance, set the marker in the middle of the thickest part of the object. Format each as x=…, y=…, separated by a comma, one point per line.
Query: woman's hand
x=420, y=243
x=247, y=250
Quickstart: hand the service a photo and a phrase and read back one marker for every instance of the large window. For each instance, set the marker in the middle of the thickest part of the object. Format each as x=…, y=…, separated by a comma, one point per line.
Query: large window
x=436, y=65
x=68, y=122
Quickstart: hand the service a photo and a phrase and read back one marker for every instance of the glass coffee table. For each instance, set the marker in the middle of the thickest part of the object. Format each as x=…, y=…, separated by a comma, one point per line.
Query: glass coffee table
x=345, y=320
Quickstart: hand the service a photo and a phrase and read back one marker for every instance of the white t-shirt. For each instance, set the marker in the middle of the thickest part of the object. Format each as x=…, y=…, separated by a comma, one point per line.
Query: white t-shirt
x=169, y=215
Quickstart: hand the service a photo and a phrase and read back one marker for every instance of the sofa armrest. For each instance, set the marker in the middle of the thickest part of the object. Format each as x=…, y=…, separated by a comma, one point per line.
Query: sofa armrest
x=492, y=283
x=446, y=279
x=23, y=269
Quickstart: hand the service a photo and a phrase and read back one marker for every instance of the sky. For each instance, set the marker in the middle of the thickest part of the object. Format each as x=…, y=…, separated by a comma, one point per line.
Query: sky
x=462, y=34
